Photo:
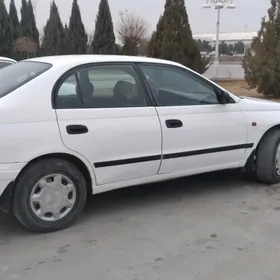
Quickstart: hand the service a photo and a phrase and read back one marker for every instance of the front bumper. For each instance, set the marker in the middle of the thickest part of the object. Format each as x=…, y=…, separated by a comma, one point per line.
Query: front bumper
x=8, y=174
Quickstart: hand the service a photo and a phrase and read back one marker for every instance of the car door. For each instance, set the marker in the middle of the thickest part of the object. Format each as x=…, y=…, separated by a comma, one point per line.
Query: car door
x=199, y=133
x=105, y=114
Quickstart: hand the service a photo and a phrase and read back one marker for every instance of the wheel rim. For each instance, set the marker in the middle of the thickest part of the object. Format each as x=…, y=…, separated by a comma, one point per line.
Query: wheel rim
x=277, y=160
x=53, y=197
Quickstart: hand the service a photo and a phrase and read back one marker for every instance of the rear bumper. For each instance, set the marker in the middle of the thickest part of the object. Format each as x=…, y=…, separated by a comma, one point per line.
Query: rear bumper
x=8, y=174
x=6, y=198
x=4, y=185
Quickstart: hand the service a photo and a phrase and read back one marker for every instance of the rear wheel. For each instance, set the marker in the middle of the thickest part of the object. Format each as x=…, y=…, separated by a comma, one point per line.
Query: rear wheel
x=268, y=158
x=49, y=195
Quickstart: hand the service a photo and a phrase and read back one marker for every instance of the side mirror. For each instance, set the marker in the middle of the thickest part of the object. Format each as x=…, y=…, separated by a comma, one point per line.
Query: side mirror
x=224, y=97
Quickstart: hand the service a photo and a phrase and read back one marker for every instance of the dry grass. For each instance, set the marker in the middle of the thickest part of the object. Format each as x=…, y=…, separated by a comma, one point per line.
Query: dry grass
x=240, y=87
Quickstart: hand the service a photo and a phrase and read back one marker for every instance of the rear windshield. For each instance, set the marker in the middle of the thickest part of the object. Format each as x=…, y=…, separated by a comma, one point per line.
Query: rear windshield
x=4, y=64
x=20, y=73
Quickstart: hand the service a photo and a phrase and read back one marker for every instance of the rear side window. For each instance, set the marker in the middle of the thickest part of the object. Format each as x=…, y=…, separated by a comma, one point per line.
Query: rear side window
x=20, y=73
x=102, y=86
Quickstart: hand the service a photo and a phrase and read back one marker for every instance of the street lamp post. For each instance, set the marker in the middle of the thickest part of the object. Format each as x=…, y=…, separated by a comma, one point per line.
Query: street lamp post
x=34, y=4
x=219, y=5
x=245, y=39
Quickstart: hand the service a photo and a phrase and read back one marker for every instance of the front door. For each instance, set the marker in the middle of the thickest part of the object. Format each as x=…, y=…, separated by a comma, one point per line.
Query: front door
x=105, y=115
x=199, y=133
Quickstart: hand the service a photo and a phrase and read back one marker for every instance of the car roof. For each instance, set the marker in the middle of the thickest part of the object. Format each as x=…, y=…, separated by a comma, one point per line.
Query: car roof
x=87, y=58
x=2, y=58
x=75, y=60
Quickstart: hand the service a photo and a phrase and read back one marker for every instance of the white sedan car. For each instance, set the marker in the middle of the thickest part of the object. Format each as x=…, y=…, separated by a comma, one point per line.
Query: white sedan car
x=86, y=124
x=5, y=61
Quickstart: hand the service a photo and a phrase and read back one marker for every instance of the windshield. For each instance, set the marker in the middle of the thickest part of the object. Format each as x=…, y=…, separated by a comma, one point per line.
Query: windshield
x=20, y=73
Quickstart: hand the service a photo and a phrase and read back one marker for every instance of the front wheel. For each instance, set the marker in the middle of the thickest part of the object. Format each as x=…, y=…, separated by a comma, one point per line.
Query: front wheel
x=49, y=195
x=268, y=158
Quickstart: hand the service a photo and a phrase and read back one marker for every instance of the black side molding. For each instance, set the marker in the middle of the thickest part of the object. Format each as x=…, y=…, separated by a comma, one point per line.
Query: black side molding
x=208, y=151
x=126, y=161
x=173, y=155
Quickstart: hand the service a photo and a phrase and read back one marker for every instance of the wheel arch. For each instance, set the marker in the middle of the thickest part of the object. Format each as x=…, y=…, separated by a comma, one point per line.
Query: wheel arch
x=270, y=130
x=251, y=157
x=7, y=196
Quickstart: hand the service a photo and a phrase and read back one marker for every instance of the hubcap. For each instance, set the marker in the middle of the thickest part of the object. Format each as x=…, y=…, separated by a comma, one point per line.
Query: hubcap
x=277, y=160
x=53, y=197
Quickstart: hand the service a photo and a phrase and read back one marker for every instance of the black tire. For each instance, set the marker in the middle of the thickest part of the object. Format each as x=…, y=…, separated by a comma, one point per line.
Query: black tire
x=266, y=155
x=28, y=179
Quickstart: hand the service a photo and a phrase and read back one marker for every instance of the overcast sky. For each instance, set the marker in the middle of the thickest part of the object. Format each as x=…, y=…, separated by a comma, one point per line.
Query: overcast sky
x=202, y=21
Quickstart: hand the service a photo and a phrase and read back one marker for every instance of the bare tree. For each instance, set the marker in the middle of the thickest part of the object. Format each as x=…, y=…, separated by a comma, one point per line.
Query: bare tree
x=90, y=39
x=132, y=30
x=143, y=47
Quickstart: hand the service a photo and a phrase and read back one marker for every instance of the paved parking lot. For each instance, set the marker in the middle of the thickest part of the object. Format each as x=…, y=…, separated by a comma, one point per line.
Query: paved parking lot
x=216, y=226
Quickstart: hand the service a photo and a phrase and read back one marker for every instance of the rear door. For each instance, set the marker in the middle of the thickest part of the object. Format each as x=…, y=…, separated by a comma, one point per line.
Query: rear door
x=105, y=114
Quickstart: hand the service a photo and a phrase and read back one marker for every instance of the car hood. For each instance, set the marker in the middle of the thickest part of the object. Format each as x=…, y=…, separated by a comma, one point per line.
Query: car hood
x=258, y=104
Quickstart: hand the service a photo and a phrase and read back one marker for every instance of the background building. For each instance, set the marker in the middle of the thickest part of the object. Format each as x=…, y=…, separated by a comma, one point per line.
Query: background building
x=228, y=38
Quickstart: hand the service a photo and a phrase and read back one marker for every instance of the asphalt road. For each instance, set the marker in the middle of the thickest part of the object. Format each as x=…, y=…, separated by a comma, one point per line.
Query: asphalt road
x=217, y=226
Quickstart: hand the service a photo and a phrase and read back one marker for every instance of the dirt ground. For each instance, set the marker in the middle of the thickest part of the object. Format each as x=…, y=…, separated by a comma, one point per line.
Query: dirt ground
x=218, y=226
x=240, y=87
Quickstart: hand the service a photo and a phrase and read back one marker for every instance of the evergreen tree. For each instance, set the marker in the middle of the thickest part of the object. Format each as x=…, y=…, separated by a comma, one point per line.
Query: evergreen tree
x=151, y=44
x=104, y=41
x=224, y=48
x=67, y=46
x=28, y=27
x=239, y=47
x=204, y=46
x=155, y=43
x=14, y=21
x=119, y=49
x=54, y=33
x=32, y=23
x=5, y=31
x=25, y=28
x=262, y=60
x=77, y=34
x=173, y=39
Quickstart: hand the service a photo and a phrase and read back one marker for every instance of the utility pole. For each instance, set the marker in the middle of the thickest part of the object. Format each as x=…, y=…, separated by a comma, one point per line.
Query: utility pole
x=218, y=5
x=245, y=39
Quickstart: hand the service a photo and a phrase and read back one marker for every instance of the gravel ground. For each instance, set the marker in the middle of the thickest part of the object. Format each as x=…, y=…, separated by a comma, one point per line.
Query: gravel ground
x=216, y=226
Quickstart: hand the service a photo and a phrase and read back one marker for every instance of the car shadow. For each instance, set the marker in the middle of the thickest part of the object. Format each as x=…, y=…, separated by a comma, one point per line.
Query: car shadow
x=130, y=199
x=166, y=192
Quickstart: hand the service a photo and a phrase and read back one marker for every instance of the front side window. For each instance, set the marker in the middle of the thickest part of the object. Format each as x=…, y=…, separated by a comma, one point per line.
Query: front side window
x=102, y=87
x=20, y=73
x=177, y=87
